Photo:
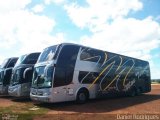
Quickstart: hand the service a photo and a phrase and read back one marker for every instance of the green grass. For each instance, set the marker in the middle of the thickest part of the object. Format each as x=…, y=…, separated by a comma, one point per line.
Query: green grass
x=156, y=82
x=23, y=112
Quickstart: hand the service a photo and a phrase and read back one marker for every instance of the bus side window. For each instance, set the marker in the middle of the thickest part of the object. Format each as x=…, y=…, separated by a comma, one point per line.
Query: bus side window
x=65, y=65
x=92, y=55
x=32, y=58
x=87, y=77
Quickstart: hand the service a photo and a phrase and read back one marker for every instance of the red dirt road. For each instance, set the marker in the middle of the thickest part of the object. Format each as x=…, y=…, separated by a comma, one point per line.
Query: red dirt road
x=105, y=109
x=108, y=109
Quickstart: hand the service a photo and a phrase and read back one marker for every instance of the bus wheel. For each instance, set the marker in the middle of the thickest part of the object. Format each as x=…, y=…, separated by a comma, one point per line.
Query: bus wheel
x=132, y=92
x=138, y=92
x=82, y=96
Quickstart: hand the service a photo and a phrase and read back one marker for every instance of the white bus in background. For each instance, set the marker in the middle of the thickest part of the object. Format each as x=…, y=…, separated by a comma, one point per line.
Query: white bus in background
x=22, y=75
x=68, y=72
x=5, y=74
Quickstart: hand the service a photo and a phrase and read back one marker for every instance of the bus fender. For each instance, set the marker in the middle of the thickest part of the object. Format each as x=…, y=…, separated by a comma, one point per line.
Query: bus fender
x=82, y=89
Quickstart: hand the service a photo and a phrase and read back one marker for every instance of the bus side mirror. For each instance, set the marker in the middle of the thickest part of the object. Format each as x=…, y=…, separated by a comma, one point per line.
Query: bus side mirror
x=25, y=71
x=54, y=65
x=8, y=70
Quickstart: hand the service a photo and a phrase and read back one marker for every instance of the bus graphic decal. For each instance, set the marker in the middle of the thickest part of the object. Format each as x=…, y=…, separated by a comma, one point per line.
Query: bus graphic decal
x=119, y=75
x=107, y=67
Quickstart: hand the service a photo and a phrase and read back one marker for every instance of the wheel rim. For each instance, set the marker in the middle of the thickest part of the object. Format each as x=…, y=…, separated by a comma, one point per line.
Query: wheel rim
x=82, y=97
x=138, y=91
x=133, y=93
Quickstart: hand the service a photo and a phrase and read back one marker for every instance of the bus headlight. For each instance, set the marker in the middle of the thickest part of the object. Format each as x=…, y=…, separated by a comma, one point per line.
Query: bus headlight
x=46, y=93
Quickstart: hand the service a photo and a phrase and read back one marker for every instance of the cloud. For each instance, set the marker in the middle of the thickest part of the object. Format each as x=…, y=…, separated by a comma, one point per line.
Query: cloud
x=155, y=73
x=38, y=42
x=47, y=2
x=130, y=36
x=24, y=31
x=98, y=12
x=38, y=8
x=12, y=5
x=1, y=59
x=24, y=26
x=112, y=30
x=157, y=18
x=154, y=70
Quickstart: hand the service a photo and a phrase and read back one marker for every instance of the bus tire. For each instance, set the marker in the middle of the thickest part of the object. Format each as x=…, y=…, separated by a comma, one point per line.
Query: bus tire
x=138, y=91
x=82, y=96
x=132, y=92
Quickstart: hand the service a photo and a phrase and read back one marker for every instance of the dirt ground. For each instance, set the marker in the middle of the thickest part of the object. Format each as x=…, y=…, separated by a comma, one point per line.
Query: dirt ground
x=144, y=107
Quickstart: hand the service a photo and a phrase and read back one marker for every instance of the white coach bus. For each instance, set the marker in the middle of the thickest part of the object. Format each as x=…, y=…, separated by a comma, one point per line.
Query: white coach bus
x=68, y=72
x=5, y=74
x=22, y=75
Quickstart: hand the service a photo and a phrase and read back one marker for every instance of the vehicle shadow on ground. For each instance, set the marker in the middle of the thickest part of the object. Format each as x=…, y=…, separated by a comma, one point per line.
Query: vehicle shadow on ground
x=25, y=100
x=6, y=97
x=101, y=105
x=15, y=99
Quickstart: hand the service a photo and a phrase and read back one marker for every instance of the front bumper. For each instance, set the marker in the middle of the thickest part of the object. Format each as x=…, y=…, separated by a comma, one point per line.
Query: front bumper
x=46, y=99
x=3, y=90
x=14, y=90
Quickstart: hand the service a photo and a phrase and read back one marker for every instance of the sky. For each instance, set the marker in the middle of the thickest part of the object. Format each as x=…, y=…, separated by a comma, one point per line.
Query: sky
x=127, y=27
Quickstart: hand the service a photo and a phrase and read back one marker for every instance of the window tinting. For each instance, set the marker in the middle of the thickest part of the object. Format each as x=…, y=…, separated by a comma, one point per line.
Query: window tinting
x=31, y=58
x=65, y=65
x=40, y=80
x=7, y=77
x=12, y=63
x=20, y=60
x=87, y=77
x=17, y=77
x=47, y=54
x=92, y=55
x=1, y=76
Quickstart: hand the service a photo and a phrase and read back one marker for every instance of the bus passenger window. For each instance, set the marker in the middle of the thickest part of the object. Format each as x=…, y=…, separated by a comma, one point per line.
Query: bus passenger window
x=92, y=55
x=65, y=65
x=87, y=77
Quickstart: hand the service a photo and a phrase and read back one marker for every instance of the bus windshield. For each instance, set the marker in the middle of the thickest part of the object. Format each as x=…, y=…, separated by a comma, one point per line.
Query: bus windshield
x=3, y=65
x=16, y=78
x=1, y=76
x=40, y=79
x=47, y=54
x=20, y=60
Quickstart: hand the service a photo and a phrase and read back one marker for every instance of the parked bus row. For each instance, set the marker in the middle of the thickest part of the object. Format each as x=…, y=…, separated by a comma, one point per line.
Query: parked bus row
x=68, y=72
x=16, y=75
